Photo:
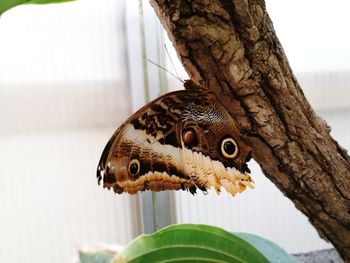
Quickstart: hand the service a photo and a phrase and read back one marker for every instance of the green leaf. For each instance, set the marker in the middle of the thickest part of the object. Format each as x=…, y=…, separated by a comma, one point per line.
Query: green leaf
x=7, y=4
x=270, y=250
x=190, y=243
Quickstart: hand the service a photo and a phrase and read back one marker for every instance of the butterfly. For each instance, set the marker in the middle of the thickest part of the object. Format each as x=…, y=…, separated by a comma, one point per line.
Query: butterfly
x=182, y=140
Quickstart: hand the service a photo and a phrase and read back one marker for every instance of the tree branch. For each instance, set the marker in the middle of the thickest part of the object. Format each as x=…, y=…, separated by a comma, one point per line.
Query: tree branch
x=231, y=48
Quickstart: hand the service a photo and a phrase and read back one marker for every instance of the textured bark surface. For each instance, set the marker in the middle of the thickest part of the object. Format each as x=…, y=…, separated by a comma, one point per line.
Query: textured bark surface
x=231, y=48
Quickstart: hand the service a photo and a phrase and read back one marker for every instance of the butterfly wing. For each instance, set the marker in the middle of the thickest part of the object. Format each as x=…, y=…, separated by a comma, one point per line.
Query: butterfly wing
x=171, y=144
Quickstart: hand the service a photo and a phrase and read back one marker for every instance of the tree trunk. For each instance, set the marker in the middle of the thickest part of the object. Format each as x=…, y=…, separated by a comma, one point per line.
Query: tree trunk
x=231, y=48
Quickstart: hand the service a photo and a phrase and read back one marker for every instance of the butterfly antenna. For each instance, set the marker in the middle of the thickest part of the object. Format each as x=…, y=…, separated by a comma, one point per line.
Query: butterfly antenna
x=172, y=63
x=172, y=74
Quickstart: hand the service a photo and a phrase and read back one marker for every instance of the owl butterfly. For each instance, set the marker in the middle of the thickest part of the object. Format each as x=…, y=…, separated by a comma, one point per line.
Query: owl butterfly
x=181, y=140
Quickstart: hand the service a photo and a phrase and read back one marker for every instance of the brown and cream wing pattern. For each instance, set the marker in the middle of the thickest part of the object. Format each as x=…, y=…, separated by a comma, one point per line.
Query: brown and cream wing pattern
x=173, y=143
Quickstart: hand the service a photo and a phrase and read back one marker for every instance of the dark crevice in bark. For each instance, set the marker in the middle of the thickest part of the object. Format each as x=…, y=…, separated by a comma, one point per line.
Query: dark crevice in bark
x=240, y=100
x=324, y=169
x=264, y=84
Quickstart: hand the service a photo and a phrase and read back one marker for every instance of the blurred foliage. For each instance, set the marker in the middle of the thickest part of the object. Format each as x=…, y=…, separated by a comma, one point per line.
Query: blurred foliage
x=7, y=4
x=96, y=256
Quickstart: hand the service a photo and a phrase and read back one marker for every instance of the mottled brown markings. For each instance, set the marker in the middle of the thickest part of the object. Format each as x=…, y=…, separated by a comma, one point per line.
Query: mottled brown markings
x=135, y=153
x=160, y=167
x=174, y=112
x=124, y=149
x=161, y=116
x=137, y=123
x=164, y=122
x=145, y=167
x=154, y=132
x=108, y=177
x=172, y=102
x=159, y=108
x=198, y=184
x=117, y=189
x=155, y=124
x=171, y=139
x=174, y=171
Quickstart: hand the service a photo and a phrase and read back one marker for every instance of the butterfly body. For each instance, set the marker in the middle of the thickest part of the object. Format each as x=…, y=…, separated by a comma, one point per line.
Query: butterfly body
x=182, y=140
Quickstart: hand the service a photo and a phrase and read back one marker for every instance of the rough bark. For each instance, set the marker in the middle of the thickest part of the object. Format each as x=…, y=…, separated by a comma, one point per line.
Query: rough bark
x=231, y=48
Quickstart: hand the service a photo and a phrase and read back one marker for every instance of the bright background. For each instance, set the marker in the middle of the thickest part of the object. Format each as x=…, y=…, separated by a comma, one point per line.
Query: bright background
x=71, y=73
